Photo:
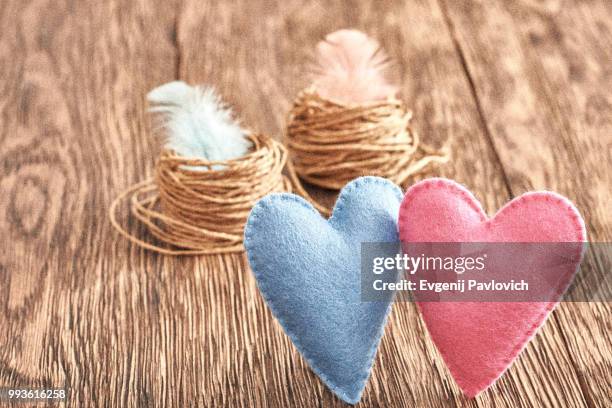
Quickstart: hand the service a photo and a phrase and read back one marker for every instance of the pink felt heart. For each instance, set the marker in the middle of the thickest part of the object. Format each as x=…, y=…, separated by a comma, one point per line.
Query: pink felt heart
x=480, y=340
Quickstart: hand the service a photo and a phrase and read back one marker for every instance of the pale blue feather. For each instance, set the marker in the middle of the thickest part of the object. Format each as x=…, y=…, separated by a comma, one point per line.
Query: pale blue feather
x=197, y=123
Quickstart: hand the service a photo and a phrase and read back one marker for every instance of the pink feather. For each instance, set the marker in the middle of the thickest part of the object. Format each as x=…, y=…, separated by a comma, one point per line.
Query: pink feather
x=350, y=68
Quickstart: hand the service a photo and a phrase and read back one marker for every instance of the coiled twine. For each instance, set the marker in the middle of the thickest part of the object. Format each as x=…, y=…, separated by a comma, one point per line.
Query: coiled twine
x=331, y=143
x=201, y=206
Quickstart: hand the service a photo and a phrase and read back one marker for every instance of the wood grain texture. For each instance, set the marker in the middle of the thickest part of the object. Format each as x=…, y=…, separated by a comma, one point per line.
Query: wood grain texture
x=521, y=88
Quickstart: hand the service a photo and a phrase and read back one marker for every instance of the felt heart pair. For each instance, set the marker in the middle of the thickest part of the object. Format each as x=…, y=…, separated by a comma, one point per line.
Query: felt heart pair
x=308, y=271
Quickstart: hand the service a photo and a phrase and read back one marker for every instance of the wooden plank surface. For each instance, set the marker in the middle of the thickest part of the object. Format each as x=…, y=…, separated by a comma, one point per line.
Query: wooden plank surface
x=521, y=88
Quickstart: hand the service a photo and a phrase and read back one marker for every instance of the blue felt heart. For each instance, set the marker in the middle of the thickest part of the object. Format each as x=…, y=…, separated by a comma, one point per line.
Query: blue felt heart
x=308, y=271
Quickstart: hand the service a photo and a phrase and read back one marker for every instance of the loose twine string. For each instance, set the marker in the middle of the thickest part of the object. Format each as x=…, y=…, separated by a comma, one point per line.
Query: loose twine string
x=200, y=207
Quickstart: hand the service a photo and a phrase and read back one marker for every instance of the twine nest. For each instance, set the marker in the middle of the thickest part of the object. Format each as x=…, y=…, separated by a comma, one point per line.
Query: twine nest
x=201, y=206
x=331, y=143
